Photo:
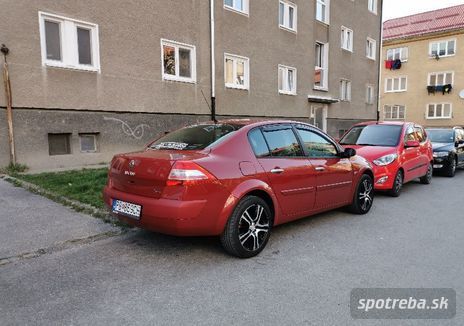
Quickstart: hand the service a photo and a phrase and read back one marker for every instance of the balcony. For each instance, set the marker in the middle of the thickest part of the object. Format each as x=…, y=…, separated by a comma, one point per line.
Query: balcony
x=444, y=89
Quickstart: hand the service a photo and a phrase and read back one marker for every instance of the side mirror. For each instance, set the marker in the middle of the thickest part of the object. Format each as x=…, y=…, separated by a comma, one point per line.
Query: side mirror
x=411, y=143
x=348, y=152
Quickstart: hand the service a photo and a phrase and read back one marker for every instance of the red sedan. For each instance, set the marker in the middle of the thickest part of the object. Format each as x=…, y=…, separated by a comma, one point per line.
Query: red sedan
x=236, y=179
x=399, y=152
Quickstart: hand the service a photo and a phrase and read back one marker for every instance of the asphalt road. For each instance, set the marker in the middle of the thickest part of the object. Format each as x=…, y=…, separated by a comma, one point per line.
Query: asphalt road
x=304, y=276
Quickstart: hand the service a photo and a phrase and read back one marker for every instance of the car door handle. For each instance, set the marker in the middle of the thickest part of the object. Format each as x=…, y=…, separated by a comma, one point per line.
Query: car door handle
x=277, y=170
x=320, y=168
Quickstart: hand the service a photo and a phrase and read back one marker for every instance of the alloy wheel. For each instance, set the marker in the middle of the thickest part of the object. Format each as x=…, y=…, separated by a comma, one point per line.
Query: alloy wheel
x=365, y=194
x=254, y=227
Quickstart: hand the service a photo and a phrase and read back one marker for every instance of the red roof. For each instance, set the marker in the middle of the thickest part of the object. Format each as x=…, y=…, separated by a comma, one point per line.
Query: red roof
x=428, y=22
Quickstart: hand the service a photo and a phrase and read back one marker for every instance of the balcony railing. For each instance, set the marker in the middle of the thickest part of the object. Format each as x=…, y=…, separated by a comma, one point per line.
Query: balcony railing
x=444, y=89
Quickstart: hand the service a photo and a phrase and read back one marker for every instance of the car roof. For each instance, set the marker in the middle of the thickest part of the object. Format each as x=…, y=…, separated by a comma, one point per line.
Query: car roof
x=385, y=123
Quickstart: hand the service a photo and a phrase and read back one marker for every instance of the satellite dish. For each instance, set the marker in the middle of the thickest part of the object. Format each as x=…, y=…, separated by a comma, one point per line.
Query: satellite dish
x=461, y=94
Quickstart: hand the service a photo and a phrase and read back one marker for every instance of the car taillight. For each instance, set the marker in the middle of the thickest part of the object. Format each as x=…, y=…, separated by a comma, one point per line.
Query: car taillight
x=187, y=173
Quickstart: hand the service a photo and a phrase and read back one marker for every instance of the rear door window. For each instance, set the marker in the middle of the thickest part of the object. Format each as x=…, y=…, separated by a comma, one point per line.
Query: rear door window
x=282, y=141
x=258, y=143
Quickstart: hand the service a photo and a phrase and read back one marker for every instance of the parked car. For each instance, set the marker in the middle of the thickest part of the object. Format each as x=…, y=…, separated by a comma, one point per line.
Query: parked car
x=236, y=179
x=399, y=151
x=448, y=149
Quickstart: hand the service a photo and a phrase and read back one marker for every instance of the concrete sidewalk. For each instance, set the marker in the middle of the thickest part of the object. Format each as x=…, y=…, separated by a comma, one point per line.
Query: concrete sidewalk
x=31, y=224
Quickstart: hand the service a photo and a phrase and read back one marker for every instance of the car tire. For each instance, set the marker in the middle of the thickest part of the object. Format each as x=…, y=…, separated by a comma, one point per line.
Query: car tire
x=363, y=197
x=397, y=184
x=427, y=178
x=248, y=229
x=450, y=170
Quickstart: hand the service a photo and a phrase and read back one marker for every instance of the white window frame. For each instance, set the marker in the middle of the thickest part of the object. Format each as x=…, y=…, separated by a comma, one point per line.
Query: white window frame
x=345, y=90
x=444, y=73
x=246, y=7
x=94, y=142
x=346, y=41
x=397, y=108
x=403, y=53
x=393, y=90
x=372, y=6
x=447, y=43
x=324, y=69
x=435, y=111
x=371, y=44
x=325, y=3
x=246, y=73
x=68, y=43
x=370, y=94
x=286, y=22
x=285, y=80
x=193, y=55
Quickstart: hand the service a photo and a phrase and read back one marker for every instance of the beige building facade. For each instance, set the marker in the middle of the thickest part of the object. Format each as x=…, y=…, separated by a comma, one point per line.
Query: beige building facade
x=91, y=79
x=428, y=88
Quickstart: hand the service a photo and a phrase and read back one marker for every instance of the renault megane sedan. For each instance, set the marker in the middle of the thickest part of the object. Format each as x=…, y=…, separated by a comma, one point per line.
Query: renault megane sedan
x=236, y=179
x=399, y=152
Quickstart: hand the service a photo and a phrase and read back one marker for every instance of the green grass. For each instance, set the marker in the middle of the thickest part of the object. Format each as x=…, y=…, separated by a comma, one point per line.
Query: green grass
x=14, y=168
x=84, y=186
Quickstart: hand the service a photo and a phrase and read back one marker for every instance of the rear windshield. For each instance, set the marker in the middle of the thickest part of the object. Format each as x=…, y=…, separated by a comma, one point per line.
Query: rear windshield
x=196, y=137
x=373, y=135
x=441, y=136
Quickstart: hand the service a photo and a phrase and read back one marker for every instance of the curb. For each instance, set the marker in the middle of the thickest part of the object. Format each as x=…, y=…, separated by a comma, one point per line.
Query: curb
x=73, y=204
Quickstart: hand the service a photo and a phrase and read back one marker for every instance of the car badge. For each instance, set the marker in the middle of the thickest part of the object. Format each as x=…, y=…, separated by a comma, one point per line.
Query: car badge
x=132, y=164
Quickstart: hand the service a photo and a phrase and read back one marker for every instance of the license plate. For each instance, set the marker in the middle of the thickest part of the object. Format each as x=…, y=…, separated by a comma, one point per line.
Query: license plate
x=127, y=209
x=437, y=166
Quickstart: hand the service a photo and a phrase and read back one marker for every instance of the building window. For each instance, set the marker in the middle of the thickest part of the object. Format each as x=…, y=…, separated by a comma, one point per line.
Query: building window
x=439, y=111
x=59, y=144
x=441, y=78
x=372, y=6
x=321, y=73
x=398, y=84
x=345, y=90
x=371, y=48
x=442, y=48
x=287, y=80
x=287, y=15
x=323, y=11
x=236, y=71
x=88, y=142
x=394, y=112
x=398, y=54
x=241, y=6
x=69, y=43
x=369, y=94
x=178, y=61
x=347, y=39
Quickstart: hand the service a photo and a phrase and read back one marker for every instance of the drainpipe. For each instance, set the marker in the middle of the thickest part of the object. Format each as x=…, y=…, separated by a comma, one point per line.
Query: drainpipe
x=9, y=104
x=213, y=62
x=380, y=62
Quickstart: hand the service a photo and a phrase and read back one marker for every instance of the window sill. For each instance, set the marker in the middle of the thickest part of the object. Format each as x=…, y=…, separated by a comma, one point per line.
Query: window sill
x=240, y=88
x=294, y=31
x=347, y=50
x=442, y=56
x=372, y=12
x=179, y=79
x=287, y=93
x=372, y=59
x=439, y=118
x=69, y=67
x=319, y=88
x=326, y=24
x=388, y=92
x=243, y=13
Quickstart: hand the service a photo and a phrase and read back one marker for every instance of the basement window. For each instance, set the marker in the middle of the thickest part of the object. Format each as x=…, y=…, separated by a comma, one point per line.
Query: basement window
x=69, y=43
x=59, y=144
x=88, y=142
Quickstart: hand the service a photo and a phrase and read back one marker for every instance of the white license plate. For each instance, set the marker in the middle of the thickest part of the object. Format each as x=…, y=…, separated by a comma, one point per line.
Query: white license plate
x=128, y=209
x=437, y=166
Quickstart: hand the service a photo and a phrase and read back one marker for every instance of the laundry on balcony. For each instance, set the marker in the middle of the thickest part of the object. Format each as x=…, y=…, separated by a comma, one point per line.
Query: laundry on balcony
x=388, y=64
x=393, y=64
x=439, y=89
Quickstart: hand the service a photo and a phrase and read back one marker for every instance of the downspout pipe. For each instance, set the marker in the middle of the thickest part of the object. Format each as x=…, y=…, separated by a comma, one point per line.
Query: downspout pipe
x=213, y=61
x=380, y=61
x=9, y=104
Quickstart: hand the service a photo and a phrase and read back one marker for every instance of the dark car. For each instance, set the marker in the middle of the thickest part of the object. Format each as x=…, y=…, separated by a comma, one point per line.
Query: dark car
x=448, y=149
x=236, y=179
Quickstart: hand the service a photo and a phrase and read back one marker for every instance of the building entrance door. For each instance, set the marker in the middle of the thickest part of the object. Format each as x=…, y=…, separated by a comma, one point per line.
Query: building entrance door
x=318, y=117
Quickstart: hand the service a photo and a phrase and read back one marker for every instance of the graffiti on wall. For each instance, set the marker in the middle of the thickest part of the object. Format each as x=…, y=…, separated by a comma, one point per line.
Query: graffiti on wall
x=137, y=132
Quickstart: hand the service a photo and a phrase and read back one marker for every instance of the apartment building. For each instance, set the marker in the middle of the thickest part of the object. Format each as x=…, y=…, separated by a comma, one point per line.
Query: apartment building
x=90, y=79
x=423, y=72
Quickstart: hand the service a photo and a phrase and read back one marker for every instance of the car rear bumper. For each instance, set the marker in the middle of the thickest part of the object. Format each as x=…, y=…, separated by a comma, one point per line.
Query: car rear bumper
x=174, y=217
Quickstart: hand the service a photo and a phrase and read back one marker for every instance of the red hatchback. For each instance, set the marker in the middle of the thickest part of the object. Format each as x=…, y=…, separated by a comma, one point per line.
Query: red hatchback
x=236, y=179
x=399, y=152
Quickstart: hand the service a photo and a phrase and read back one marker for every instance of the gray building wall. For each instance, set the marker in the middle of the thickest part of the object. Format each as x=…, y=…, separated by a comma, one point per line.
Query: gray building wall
x=50, y=100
